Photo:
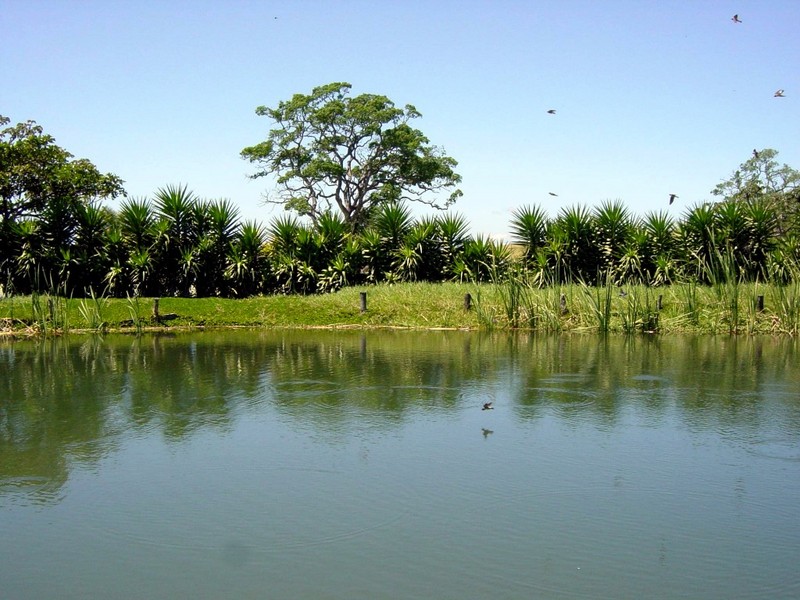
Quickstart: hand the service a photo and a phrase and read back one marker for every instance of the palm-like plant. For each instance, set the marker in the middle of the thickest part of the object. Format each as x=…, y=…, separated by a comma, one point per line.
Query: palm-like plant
x=246, y=261
x=332, y=233
x=175, y=238
x=91, y=247
x=218, y=225
x=392, y=222
x=372, y=263
x=294, y=248
x=283, y=232
x=762, y=225
x=696, y=239
x=613, y=228
x=529, y=228
x=136, y=219
x=28, y=258
x=141, y=265
x=422, y=241
x=485, y=260
x=453, y=234
x=575, y=233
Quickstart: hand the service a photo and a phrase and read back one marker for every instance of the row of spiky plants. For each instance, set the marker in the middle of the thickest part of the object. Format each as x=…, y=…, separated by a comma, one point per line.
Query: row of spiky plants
x=608, y=243
x=180, y=245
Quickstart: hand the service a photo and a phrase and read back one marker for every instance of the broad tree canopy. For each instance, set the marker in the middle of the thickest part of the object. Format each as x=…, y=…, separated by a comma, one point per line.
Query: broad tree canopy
x=34, y=172
x=329, y=150
x=762, y=178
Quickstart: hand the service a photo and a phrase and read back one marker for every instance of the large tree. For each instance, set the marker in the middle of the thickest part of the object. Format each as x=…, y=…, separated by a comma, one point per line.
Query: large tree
x=34, y=171
x=761, y=178
x=43, y=185
x=328, y=150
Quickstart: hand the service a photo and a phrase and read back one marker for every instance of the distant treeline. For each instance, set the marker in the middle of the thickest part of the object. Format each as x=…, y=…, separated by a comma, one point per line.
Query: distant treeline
x=180, y=245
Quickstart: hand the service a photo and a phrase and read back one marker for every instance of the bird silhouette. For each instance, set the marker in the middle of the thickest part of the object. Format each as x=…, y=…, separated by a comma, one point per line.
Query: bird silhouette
x=486, y=432
x=755, y=153
x=552, y=111
x=553, y=194
x=672, y=198
x=487, y=406
x=779, y=94
x=736, y=19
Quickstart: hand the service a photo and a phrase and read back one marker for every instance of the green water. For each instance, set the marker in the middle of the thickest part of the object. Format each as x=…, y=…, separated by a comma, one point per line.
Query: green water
x=340, y=465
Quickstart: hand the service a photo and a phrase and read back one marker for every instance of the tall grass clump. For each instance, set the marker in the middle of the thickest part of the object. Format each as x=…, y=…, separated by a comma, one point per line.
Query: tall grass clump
x=515, y=295
x=91, y=310
x=639, y=314
x=726, y=284
x=49, y=313
x=786, y=300
x=600, y=303
x=133, y=307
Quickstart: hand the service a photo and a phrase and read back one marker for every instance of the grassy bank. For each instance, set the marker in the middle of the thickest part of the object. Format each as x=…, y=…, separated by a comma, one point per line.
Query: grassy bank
x=729, y=308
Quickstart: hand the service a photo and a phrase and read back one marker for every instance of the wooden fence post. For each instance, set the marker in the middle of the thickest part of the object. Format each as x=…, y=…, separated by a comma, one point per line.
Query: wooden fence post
x=563, y=303
x=156, y=316
x=363, y=302
x=467, y=301
x=760, y=303
x=659, y=304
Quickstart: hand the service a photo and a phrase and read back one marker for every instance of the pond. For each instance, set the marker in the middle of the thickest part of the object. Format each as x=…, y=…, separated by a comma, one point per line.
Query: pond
x=349, y=464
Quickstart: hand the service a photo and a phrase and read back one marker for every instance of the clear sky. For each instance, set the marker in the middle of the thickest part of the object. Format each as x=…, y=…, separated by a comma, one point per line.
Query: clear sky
x=652, y=97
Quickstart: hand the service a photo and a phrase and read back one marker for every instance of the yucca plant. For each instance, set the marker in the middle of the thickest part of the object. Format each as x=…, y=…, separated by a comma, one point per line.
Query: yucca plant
x=217, y=230
x=392, y=222
x=334, y=276
x=574, y=231
x=136, y=219
x=697, y=242
x=175, y=236
x=453, y=235
x=423, y=239
x=612, y=230
x=246, y=263
x=332, y=234
x=529, y=229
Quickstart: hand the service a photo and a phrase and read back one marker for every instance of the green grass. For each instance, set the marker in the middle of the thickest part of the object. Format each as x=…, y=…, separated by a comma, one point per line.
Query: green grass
x=686, y=308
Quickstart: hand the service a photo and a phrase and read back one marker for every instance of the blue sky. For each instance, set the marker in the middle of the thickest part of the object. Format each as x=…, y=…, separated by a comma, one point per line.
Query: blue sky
x=652, y=97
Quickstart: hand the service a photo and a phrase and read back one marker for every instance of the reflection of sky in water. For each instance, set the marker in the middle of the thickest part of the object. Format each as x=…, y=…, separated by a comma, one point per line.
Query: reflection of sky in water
x=317, y=465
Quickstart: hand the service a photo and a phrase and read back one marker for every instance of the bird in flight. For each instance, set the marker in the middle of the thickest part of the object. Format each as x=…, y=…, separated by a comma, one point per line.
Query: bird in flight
x=487, y=406
x=553, y=194
x=736, y=19
x=672, y=198
x=552, y=111
x=779, y=94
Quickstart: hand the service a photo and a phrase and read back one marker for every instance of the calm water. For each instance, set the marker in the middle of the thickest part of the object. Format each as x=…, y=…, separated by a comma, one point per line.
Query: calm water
x=341, y=465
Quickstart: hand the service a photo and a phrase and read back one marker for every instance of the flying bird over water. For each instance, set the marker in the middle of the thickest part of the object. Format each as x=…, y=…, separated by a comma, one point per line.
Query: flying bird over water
x=779, y=94
x=487, y=406
x=552, y=111
x=672, y=198
x=552, y=194
x=736, y=19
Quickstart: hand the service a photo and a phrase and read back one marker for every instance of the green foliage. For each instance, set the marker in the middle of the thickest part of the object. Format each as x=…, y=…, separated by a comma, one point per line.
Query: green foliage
x=529, y=228
x=353, y=154
x=762, y=179
x=42, y=182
